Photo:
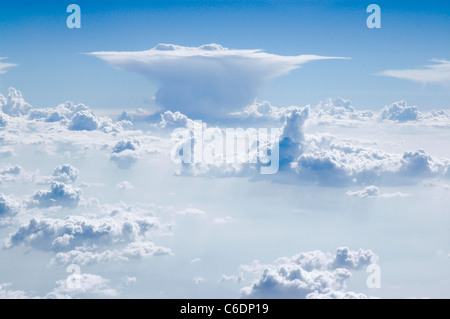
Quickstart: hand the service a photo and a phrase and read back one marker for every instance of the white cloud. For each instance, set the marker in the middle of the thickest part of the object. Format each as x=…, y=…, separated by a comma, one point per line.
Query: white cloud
x=124, y=185
x=130, y=280
x=373, y=191
x=222, y=220
x=15, y=104
x=125, y=154
x=394, y=195
x=76, y=117
x=439, y=72
x=117, y=236
x=328, y=160
x=208, y=80
x=400, y=111
x=190, y=211
x=82, y=285
x=232, y=278
x=7, y=293
x=441, y=252
x=332, y=294
x=8, y=206
x=308, y=275
x=59, y=194
x=341, y=112
x=4, y=66
x=353, y=259
x=196, y=260
x=171, y=120
x=84, y=121
x=134, y=250
x=198, y=280
x=264, y=111
x=65, y=173
x=139, y=115
x=369, y=191
x=10, y=173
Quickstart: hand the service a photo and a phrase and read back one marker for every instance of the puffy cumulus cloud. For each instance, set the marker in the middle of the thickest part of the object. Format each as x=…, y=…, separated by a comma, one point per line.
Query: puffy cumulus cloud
x=400, y=111
x=139, y=115
x=353, y=259
x=171, y=120
x=312, y=274
x=60, y=194
x=124, y=185
x=3, y=120
x=292, y=139
x=84, y=121
x=294, y=282
x=77, y=117
x=369, y=191
x=209, y=80
x=322, y=158
x=437, y=118
x=126, y=153
x=5, y=65
x=8, y=206
x=82, y=285
x=330, y=161
x=419, y=163
x=339, y=111
x=264, y=111
x=65, y=173
x=134, y=250
x=15, y=105
x=439, y=72
x=342, y=112
x=7, y=293
x=343, y=164
x=10, y=173
x=116, y=236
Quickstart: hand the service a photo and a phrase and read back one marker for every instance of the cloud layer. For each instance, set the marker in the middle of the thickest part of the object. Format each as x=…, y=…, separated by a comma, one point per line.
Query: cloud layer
x=313, y=274
x=118, y=236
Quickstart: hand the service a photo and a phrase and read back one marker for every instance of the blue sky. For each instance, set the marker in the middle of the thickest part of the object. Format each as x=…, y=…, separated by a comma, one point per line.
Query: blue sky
x=363, y=179
x=50, y=55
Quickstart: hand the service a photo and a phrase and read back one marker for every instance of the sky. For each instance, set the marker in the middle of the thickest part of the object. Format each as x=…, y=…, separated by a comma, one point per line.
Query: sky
x=412, y=34
x=114, y=175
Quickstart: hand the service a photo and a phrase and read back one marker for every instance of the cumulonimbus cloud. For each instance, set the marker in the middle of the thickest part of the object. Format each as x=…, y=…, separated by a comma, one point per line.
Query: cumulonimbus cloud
x=439, y=72
x=206, y=80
